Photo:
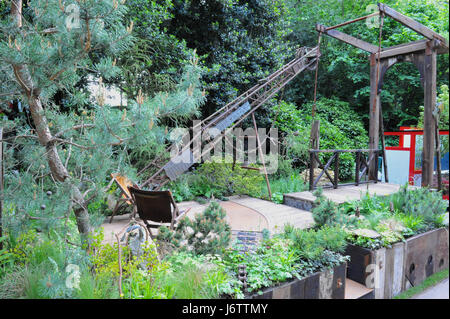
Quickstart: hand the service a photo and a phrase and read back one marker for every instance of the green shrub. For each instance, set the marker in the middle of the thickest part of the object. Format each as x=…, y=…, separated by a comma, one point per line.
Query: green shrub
x=194, y=277
x=326, y=212
x=311, y=244
x=208, y=233
x=294, y=254
x=222, y=178
x=420, y=202
x=6, y=258
x=217, y=178
x=281, y=185
x=405, y=213
x=340, y=128
x=93, y=287
x=186, y=277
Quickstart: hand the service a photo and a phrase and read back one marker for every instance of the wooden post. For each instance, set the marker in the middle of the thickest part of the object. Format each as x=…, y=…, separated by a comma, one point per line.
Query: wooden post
x=311, y=170
x=438, y=149
x=383, y=146
x=375, y=159
x=358, y=167
x=315, y=138
x=429, y=123
x=261, y=156
x=336, y=171
x=374, y=124
x=438, y=160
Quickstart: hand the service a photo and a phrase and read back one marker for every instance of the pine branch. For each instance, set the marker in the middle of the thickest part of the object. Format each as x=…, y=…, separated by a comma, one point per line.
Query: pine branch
x=75, y=127
x=14, y=138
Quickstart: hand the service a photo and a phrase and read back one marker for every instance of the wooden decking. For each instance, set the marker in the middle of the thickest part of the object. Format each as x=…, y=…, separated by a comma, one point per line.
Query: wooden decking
x=304, y=200
x=278, y=215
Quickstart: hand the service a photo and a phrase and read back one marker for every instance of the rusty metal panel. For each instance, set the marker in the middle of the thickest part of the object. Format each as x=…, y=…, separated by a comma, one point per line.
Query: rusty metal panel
x=326, y=284
x=420, y=257
x=265, y=295
x=312, y=286
x=230, y=119
x=441, y=259
x=339, y=275
x=380, y=262
x=179, y=164
x=282, y=292
x=360, y=258
x=298, y=289
x=389, y=273
x=399, y=254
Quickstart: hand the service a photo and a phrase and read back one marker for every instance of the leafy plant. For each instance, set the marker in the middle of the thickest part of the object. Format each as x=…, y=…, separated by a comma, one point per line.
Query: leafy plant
x=220, y=175
x=310, y=244
x=6, y=258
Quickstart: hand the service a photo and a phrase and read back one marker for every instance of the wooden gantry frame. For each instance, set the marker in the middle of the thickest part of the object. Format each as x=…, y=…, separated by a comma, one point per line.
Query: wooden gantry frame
x=423, y=54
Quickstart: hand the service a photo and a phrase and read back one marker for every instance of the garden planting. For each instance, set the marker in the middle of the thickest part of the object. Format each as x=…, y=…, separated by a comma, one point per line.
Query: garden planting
x=223, y=65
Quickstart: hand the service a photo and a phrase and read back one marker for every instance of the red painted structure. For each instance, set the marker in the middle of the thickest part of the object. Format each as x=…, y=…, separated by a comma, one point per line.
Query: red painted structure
x=407, y=142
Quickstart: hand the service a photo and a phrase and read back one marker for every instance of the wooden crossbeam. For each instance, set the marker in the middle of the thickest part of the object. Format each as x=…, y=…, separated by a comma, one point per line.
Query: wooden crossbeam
x=411, y=23
x=324, y=169
x=412, y=47
x=367, y=164
x=363, y=45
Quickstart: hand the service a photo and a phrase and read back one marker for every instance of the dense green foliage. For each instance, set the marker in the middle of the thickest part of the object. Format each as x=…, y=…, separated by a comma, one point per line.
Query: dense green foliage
x=344, y=69
x=217, y=178
x=293, y=254
x=340, y=128
x=396, y=217
x=154, y=61
x=241, y=42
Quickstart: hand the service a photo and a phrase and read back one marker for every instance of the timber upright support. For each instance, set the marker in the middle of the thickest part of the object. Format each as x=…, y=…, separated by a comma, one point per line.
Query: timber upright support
x=374, y=122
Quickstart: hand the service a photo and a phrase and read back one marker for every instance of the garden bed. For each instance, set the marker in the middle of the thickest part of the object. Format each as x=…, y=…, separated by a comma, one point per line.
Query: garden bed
x=328, y=284
x=403, y=265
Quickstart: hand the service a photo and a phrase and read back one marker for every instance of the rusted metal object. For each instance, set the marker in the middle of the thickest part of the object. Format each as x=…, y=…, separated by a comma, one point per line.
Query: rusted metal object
x=232, y=113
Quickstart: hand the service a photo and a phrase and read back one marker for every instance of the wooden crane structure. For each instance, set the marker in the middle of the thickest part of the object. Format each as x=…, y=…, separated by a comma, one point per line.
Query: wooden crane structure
x=228, y=117
x=422, y=54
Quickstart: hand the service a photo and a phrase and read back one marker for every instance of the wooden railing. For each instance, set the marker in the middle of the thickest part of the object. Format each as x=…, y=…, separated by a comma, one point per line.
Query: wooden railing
x=361, y=169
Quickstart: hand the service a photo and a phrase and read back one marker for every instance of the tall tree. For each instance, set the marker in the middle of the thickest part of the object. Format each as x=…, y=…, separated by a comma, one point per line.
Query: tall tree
x=240, y=42
x=43, y=46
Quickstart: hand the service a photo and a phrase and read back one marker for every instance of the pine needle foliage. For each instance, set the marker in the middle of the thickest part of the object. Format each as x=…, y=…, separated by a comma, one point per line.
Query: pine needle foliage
x=57, y=162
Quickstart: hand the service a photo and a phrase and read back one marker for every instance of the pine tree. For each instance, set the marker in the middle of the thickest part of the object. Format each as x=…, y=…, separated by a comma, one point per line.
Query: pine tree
x=43, y=47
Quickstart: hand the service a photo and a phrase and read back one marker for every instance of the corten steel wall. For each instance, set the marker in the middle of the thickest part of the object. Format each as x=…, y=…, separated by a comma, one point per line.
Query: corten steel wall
x=400, y=267
x=329, y=284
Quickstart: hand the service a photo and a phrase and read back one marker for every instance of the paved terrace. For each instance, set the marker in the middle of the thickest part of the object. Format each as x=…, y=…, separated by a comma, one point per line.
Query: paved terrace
x=243, y=214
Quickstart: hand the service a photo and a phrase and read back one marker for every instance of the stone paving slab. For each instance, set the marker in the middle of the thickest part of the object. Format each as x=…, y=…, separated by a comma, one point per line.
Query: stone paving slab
x=243, y=214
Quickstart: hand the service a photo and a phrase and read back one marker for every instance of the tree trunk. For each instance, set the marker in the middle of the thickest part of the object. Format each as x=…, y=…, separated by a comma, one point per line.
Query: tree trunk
x=57, y=168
